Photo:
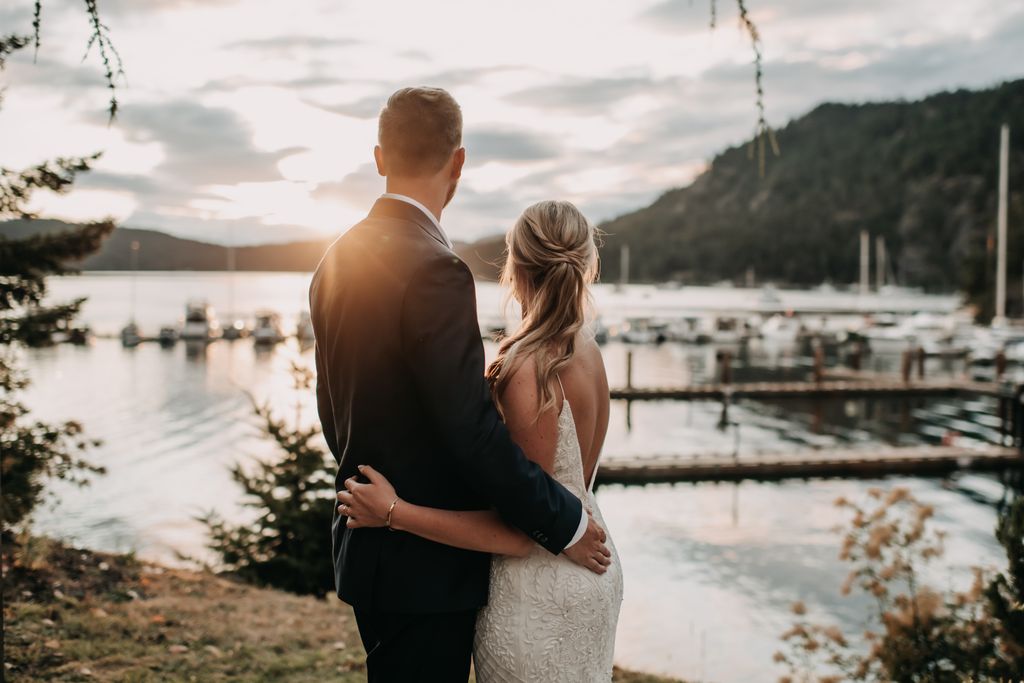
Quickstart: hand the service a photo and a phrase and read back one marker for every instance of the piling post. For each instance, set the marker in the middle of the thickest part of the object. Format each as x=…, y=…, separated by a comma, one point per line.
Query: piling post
x=725, y=361
x=1003, y=418
x=1000, y=364
x=855, y=355
x=920, y=362
x=1015, y=417
x=905, y=365
x=629, y=369
x=723, y=419
x=819, y=363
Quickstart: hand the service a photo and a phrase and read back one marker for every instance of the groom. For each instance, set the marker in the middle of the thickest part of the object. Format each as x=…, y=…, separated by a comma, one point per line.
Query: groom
x=400, y=387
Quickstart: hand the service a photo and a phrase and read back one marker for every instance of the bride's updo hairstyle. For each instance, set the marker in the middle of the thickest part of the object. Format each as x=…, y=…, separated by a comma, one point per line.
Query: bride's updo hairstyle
x=551, y=258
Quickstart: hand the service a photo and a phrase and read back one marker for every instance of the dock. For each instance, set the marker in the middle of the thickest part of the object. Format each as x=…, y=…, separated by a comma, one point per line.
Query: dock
x=852, y=463
x=832, y=388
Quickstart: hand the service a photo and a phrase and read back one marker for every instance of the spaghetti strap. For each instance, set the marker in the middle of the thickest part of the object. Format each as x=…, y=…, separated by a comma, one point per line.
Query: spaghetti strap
x=561, y=386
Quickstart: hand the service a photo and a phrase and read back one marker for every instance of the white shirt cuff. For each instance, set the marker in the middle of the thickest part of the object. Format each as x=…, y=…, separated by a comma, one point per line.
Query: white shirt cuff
x=584, y=523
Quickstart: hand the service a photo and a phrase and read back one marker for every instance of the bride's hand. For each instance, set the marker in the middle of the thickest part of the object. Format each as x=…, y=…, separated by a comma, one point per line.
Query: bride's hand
x=366, y=505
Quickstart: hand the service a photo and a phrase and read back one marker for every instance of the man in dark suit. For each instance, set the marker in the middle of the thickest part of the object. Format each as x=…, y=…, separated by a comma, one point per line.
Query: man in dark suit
x=400, y=387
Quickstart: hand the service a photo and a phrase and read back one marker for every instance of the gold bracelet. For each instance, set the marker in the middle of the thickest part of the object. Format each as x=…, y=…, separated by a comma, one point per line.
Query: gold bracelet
x=390, y=510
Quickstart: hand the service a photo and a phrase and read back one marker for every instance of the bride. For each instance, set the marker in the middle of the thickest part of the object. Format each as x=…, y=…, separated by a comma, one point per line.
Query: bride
x=547, y=619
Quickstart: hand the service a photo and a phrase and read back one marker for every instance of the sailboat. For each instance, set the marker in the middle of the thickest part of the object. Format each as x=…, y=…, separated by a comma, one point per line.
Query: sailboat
x=130, y=335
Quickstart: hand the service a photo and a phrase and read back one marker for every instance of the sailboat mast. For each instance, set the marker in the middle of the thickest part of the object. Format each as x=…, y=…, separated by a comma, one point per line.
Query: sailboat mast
x=135, y=272
x=624, y=266
x=865, y=246
x=231, y=279
x=1004, y=161
x=879, y=262
x=231, y=272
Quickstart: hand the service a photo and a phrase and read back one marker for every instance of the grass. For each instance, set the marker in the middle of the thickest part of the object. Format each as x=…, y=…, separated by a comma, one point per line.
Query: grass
x=79, y=615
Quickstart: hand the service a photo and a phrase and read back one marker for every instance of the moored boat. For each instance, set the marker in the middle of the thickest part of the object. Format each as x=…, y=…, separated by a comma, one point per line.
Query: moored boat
x=200, y=322
x=267, y=329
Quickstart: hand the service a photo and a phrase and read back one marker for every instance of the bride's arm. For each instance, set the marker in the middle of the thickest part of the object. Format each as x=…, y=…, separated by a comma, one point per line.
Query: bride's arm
x=482, y=530
x=367, y=505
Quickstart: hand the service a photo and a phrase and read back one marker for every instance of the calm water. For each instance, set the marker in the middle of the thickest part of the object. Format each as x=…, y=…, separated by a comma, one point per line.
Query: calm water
x=710, y=569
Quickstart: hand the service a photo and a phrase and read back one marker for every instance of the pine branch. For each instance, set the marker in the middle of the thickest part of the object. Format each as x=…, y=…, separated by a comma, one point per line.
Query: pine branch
x=764, y=136
x=101, y=38
x=36, y=23
x=10, y=43
x=17, y=187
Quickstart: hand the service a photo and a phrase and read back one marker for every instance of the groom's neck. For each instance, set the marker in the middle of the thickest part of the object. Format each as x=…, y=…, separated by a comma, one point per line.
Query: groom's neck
x=427, y=192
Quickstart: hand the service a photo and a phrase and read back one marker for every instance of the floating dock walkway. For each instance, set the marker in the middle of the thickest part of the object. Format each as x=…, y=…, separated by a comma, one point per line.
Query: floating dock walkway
x=858, y=463
x=832, y=388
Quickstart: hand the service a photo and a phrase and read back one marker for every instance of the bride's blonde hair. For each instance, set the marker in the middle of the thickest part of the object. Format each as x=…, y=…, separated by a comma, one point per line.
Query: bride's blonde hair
x=551, y=258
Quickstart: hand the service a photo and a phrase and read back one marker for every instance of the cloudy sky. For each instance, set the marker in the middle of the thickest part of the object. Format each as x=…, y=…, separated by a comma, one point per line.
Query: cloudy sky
x=252, y=121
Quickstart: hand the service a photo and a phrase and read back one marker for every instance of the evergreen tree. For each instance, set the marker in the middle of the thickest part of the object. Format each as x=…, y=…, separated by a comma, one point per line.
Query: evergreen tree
x=34, y=451
x=289, y=544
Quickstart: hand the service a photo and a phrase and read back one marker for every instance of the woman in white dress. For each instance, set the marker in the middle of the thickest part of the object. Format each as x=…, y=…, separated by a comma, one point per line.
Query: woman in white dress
x=547, y=619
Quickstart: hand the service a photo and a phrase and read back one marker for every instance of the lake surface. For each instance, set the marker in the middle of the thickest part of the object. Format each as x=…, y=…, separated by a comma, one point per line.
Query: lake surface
x=711, y=569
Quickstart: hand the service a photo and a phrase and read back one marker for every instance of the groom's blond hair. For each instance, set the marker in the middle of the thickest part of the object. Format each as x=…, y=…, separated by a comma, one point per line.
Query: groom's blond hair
x=419, y=130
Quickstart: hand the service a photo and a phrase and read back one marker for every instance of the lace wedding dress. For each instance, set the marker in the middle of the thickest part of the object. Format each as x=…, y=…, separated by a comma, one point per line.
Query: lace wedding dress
x=548, y=619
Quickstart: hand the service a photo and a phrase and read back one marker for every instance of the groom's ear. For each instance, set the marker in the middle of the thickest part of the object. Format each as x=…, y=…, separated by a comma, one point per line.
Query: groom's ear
x=378, y=156
x=458, y=160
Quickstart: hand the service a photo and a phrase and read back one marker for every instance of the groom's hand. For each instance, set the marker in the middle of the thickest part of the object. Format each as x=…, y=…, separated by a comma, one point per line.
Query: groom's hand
x=590, y=551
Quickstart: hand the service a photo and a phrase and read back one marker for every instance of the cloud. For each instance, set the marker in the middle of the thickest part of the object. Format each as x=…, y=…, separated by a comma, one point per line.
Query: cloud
x=369, y=106
x=585, y=95
x=359, y=189
x=289, y=44
x=682, y=16
x=359, y=108
x=507, y=144
x=203, y=145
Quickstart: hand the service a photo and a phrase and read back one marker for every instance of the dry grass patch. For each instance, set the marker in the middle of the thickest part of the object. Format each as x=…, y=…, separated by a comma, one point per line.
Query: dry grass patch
x=77, y=615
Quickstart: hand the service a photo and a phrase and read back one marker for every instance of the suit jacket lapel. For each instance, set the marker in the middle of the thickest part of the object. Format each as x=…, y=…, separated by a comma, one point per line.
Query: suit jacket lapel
x=386, y=207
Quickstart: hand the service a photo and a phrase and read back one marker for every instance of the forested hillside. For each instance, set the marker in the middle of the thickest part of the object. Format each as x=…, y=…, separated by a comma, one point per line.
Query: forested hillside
x=922, y=174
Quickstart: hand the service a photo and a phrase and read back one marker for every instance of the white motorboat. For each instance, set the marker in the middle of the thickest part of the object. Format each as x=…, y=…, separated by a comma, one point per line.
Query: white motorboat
x=721, y=330
x=267, y=329
x=642, y=331
x=781, y=329
x=200, y=322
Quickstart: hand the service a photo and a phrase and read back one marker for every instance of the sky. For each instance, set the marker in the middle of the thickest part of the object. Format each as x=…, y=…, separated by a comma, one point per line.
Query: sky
x=249, y=121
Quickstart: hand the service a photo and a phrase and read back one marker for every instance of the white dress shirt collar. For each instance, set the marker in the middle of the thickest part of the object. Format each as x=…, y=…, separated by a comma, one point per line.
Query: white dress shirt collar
x=430, y=215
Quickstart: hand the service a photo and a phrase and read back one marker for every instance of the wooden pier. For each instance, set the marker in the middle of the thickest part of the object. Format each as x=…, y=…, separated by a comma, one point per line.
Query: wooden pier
x=837, y=388
x=859, y=463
